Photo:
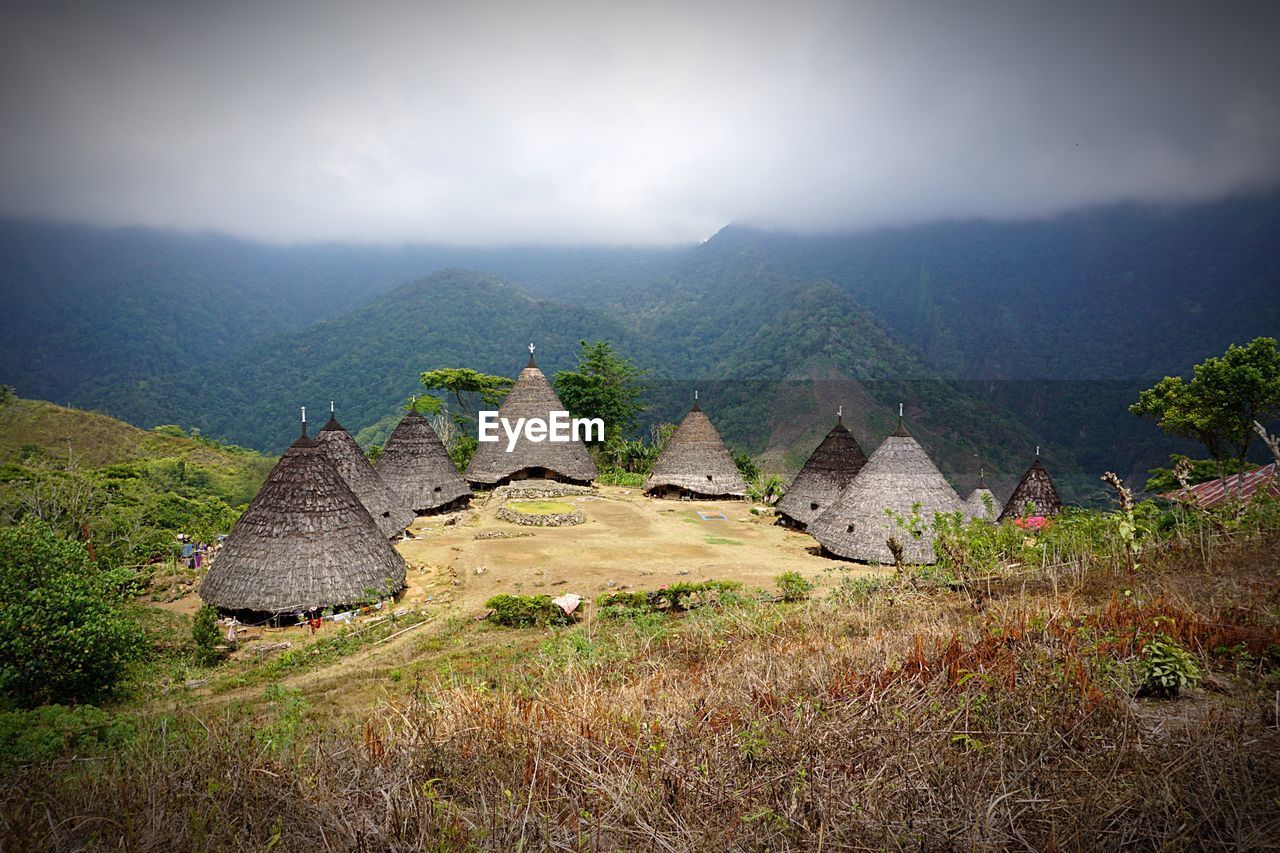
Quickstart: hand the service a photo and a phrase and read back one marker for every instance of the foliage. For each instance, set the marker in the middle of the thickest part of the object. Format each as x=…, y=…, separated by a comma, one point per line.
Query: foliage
x=205, y=637
x=1167, y=667
x=525, y=611
x=611, y=476
x=606, y=386
x=793, y=586
x=1222, y=400
x=747, y=467
x=672, y=598
x=466, y=385
x=767, y=489
x=53, y=732
x=1197, y=471
x=64, y=633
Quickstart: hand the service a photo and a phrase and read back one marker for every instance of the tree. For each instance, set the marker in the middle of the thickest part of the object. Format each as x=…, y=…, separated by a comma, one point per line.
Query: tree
x=460, y=381
x=606, y=386
x=64, y=632
x=1219, y=405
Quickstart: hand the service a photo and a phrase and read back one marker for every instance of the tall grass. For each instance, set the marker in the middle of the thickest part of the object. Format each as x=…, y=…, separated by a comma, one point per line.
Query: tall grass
x=885, y=715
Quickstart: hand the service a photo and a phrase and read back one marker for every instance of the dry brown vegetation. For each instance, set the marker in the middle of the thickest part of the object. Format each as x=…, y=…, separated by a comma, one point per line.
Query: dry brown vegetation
x=881, y=716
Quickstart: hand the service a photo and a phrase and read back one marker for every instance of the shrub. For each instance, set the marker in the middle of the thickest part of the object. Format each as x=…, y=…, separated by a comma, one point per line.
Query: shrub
x=673, y=598
x=205, y=636
x=1167, y=668
x=51, y=732
x=64, y=633
x=793, y=586
x=524, y=611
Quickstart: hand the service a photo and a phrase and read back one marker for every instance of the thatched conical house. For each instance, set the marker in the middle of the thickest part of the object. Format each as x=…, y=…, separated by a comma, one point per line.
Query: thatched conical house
x=305, y=543
x=389, y=513
x=531, y=397
x=1035, y=487
x=896, y=477
x=982, y=501
x=830, y=468
x=695, y=464
x=418, y=470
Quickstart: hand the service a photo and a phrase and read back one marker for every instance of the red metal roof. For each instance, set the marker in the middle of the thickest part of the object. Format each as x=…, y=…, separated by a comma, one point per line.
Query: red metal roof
x=1211, y=493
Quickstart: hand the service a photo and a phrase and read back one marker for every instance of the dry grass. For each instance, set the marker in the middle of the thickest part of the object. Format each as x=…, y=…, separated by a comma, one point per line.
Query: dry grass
x=894, y=719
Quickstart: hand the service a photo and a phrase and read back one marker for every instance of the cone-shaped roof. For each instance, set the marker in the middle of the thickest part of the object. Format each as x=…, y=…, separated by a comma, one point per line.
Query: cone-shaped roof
x=1036, y=486
x=416, y=467
x=388, y=511
x=305, y=543
x=695, y=459
x=896, y=477
x=830, y=468
x=978, y=507
x=530, y=397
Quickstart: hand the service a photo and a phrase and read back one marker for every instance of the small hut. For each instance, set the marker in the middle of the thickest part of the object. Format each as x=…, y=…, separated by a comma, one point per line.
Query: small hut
x=388, y=511
x=830, y=468
x=305, y=543
x=897, y=477
x=1035, y=487
x=418, y=470
x=567, y=461
x=982, y=501
x=695, y=464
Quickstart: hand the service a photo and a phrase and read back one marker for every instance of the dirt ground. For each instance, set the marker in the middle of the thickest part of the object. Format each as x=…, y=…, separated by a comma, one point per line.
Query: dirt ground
x=628, y=542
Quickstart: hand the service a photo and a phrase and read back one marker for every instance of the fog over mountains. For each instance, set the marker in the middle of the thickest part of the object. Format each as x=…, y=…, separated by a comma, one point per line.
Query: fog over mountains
x=999, y=336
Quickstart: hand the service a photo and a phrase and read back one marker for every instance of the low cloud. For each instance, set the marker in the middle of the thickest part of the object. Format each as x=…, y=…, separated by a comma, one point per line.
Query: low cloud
x=499, y=123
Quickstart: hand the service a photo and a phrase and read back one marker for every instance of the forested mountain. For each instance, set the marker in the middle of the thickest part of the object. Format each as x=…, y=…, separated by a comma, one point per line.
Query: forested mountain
x=998, y=336
x=86, y=307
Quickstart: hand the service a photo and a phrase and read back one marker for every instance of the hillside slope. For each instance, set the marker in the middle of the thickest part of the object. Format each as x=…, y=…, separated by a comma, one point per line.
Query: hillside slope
x=31, y=429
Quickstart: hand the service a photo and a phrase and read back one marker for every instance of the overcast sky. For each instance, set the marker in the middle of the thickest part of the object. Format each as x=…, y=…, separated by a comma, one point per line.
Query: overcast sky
x=637, y=122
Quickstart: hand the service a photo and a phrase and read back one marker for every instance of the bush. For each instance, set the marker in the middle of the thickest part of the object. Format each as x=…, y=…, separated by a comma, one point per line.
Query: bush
x=205, y=636
x=793, y=586
x=1167, y=668
x=64, y=633
x=674, y=598
x=51, y=732
x=524, y=611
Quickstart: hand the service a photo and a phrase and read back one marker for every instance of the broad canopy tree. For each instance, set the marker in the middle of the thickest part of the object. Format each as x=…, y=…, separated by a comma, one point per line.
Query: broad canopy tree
x=1220, y=404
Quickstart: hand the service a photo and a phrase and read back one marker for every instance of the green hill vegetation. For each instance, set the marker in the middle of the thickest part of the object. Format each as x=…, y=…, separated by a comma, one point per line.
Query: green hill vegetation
x=132, y=490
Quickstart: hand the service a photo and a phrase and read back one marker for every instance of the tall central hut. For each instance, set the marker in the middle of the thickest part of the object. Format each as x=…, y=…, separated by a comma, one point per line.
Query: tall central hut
x=830, y=469
x=567, y=461
x=695, y=464
x=305, y=543
x=388, y=511
x=982, y=501
x=416, y=466
x=897, y=477
x=1035, y=488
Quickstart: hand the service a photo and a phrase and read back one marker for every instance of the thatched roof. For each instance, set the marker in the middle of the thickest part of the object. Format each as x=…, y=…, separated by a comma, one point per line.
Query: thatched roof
x=896, y=477
x=531, y=397
x=305, y=543
x=695, y=460
x=416, y=467
x=1036, y=486
x=388, y=511
x=978, y=507
x=830, y=468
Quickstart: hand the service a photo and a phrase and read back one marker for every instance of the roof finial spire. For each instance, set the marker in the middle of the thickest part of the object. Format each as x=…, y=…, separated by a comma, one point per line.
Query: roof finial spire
x=1037, y=451
x=304, y=421
x=331, y=407
x=839, y=413
x=531, y=349
x=902, y=426
x=696, y=407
